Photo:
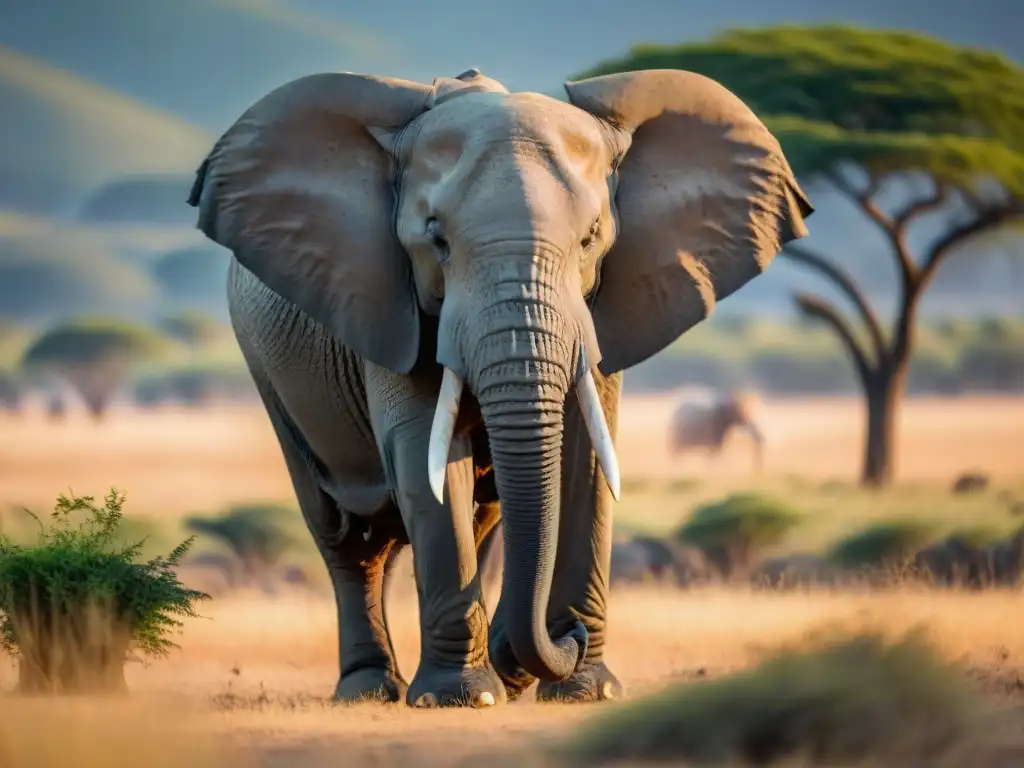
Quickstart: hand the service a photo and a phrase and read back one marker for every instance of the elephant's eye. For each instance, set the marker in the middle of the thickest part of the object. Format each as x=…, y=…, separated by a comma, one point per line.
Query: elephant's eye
x=590, y=238
x=436, y=235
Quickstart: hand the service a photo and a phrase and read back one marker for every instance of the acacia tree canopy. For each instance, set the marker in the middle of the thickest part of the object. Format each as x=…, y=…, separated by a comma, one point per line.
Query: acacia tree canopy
x=89, y=341
x=93, y=355
x=889, y=101
x=894, y=104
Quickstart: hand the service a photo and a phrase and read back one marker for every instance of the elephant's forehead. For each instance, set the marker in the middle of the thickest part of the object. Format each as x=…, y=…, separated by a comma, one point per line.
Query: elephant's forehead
x=481, y=119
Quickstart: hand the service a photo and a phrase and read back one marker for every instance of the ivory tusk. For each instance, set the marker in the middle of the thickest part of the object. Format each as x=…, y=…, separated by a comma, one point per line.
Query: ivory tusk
x=600, y=436
x=441, y=431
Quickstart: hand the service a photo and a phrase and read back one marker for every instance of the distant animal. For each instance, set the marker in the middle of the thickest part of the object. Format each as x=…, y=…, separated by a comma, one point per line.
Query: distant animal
x=970, y=482
x=705, y=419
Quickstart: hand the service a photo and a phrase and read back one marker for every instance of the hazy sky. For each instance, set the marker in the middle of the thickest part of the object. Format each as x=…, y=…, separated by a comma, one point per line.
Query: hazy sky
x=206, y=59
x=203, y=62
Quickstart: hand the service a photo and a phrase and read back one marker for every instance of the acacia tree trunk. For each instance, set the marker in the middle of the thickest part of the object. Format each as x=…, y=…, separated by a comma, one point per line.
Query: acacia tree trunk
x=884, y=395
x=882, y=365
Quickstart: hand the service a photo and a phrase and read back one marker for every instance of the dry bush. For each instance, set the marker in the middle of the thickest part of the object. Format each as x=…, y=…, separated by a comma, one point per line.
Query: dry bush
x=733, y=529
x=76, y=602
x=888, y=545
x=847, y=701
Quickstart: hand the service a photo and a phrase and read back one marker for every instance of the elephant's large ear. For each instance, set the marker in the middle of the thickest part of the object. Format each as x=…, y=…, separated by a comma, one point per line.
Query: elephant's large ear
x=302, y=193
x=705, y=200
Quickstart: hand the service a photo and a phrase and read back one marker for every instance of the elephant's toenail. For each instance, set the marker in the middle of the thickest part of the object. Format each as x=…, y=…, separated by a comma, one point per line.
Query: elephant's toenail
x=426, y=701
x=485, y=699
x=608, y=690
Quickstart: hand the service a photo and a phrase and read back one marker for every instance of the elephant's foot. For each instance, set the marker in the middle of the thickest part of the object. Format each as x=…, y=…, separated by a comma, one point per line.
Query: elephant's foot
x=370, y=684
x=593, y=682
x=446, y=686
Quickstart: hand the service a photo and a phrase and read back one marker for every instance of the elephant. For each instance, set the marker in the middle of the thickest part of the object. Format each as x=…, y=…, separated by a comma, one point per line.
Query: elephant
x=421, y=278
x=705, y=423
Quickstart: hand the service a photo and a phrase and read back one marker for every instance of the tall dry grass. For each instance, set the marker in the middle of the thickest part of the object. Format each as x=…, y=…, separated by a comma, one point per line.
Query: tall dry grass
x=255, y=675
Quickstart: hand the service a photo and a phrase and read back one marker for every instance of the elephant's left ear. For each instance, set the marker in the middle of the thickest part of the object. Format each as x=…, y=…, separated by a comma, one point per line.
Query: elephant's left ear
x=301, y=190
x=705, y=200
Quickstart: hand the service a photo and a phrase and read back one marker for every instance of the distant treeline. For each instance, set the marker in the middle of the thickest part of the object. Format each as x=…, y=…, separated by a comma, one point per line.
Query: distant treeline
x=189, y=359
x=791, y=358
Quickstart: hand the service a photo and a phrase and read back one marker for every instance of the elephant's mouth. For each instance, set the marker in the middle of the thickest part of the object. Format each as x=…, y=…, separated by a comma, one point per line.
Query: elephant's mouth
x=448, y=409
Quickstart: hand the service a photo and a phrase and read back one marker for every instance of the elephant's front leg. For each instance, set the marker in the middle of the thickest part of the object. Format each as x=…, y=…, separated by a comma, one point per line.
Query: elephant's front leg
x=580, y=586
x=454, y=669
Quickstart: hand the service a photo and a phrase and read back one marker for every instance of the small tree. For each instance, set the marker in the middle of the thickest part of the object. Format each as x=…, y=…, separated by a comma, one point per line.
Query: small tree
x=94, y=355
x=255, y=535
x=893, y=109
x=76, y=603
x=193, y=327
x=888, y=545
x=731, y=530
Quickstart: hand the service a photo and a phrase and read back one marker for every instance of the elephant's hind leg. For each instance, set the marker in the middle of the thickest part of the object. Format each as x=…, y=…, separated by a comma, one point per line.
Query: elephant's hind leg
x=356, y=556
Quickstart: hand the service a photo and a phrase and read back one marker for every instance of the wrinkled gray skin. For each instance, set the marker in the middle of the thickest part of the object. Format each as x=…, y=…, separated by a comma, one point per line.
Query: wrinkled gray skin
x=385, y=230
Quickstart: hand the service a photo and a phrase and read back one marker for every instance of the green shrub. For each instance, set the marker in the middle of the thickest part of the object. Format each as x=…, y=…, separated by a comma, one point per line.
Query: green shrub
x=887, y=545
x=847, y=701
x=76, y=602
x=731, y=530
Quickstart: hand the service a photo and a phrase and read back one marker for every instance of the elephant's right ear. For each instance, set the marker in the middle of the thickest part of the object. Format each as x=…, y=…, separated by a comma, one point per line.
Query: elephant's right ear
x=705, y=200
x=301, y=192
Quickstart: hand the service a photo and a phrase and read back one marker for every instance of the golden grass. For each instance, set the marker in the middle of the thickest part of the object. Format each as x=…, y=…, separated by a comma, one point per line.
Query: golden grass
x=255, y=674
x=175, y=461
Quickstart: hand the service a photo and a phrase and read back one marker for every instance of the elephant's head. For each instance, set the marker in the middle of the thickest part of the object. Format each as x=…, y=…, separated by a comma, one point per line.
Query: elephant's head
x=741, y=411
x=548, y=238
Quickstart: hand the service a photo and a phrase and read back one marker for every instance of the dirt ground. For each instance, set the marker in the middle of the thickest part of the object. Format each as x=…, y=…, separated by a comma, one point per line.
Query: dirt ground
x=250, y=683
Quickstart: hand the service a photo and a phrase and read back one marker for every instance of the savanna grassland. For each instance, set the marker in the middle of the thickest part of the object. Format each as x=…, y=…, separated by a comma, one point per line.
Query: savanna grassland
x=250, y=682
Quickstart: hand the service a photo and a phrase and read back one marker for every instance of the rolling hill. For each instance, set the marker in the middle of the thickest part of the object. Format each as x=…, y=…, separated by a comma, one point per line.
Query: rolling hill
x=65, y=136
x=51, y=269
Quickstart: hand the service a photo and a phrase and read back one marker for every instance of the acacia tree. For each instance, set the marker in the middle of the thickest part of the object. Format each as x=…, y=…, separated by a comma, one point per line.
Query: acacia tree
x=94, y=355
x=869, y=113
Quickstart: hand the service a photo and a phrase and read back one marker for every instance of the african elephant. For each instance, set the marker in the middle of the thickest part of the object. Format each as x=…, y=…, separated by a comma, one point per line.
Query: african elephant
x=422, y=276
x=706, y=422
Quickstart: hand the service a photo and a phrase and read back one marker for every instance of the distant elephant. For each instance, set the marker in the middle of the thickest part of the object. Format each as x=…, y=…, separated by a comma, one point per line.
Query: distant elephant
x=422, y=275
x=706, y=422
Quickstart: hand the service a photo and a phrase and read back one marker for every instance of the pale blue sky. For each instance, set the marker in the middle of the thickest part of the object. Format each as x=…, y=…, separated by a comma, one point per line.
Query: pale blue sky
x=207, y=59
x=203, y=62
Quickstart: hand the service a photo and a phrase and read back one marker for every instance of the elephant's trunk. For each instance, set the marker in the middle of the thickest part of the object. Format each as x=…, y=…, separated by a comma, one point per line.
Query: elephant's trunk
x=524, y=426
x=521, y=374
